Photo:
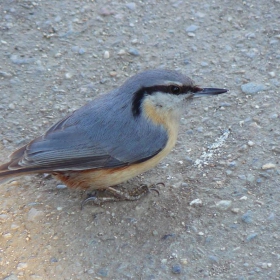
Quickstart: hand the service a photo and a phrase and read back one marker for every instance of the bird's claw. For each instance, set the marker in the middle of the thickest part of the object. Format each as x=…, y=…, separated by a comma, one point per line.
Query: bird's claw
x=118, y=195
x=91, y=197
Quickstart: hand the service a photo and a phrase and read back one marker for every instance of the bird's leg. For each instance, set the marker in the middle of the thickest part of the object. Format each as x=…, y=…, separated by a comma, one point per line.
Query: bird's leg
x=119, y=195
x=97, y=200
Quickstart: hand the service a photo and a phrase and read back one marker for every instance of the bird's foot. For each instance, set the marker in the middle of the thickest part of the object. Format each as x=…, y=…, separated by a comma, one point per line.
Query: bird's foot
x=119, y=195
x=138, y=192
x=92, y=197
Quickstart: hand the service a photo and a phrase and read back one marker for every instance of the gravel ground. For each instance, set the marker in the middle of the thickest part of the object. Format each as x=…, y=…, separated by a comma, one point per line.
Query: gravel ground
x=217, y=217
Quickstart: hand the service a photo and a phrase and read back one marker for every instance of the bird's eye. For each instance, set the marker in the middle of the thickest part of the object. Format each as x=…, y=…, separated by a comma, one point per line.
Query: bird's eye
x=175, y=89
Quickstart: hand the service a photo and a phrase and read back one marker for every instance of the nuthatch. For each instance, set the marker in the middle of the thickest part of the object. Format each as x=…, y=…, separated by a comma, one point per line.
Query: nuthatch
x=114, y=137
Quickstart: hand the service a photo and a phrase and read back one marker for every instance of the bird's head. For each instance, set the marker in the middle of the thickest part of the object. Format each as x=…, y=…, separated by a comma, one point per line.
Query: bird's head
x=163, y=90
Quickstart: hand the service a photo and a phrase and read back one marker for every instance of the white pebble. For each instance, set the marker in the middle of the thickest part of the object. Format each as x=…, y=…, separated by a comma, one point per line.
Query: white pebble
x=223, y=204
x=251, y=143
x=7, y=235
x=12, y=106
x=106, y=54
x=235, y=210
x=191, y=34
x=196, y=202
x=121, y=52
x=268, y=166
x=21, y=266
x=68, y=75
x=14, y=226
x=61, y=187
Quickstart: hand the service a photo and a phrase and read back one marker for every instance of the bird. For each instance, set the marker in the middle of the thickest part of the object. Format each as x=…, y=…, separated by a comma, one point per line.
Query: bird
x=114, y=137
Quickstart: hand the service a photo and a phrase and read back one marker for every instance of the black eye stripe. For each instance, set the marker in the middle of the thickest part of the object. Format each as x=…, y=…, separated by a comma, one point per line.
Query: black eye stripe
x=167, y=89
x=139, y=95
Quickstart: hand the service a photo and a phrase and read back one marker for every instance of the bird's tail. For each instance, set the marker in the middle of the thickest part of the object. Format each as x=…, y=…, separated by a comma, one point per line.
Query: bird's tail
x=7, y=175
x=12, y=168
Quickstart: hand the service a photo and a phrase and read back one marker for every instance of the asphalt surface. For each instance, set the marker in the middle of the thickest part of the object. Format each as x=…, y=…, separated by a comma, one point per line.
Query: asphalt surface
x=217, y=215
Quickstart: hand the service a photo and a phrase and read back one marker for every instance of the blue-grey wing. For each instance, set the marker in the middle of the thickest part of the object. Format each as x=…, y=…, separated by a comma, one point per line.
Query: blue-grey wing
x=100, y=134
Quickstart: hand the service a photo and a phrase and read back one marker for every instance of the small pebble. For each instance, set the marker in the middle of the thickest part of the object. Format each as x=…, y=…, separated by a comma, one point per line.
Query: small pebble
x=68, y=75
x=133, y=52
x=21, y=266
x=276, y=149
x=232, y=164
x=176, y=269
x=7, y=235
x=192, y=28
x=250, y=178
x=11, y=277
x=184, y=185
x=251, y=88
x=102, y=272
x=36, y=277
x=121, y=52
x=259, y=180
x=235, y=210
x=167, y=236
x=252, y=236
x=184, y=261
x=5, y=74
x=251, y=143
x=242, y=177
x=213, y=259
x=3, y=217
x=131, y=6
x=191, y=34
x=106, y=11
x=34, y=214
x=247, y=217
x=61, y=187
x=268, y=166
x=223, y=204
x=12, y=106
x=113, y=73
x=14, y=226
x=264, y=175
x=57, y=19
x=53, y=260
x=106, y=54
x=16, y=60
x=273, y=116
x=78, y=50
x=196, y=202
x=271, y=217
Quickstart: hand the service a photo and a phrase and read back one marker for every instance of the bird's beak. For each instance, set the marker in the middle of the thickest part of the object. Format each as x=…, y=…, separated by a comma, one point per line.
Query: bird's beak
x=209, y=91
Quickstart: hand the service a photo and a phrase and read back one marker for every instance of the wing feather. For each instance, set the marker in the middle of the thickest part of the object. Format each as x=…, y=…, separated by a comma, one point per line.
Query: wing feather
x=95, y=136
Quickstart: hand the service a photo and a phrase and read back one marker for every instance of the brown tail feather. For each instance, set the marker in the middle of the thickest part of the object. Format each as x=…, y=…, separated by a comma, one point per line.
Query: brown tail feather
x=7, y=174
